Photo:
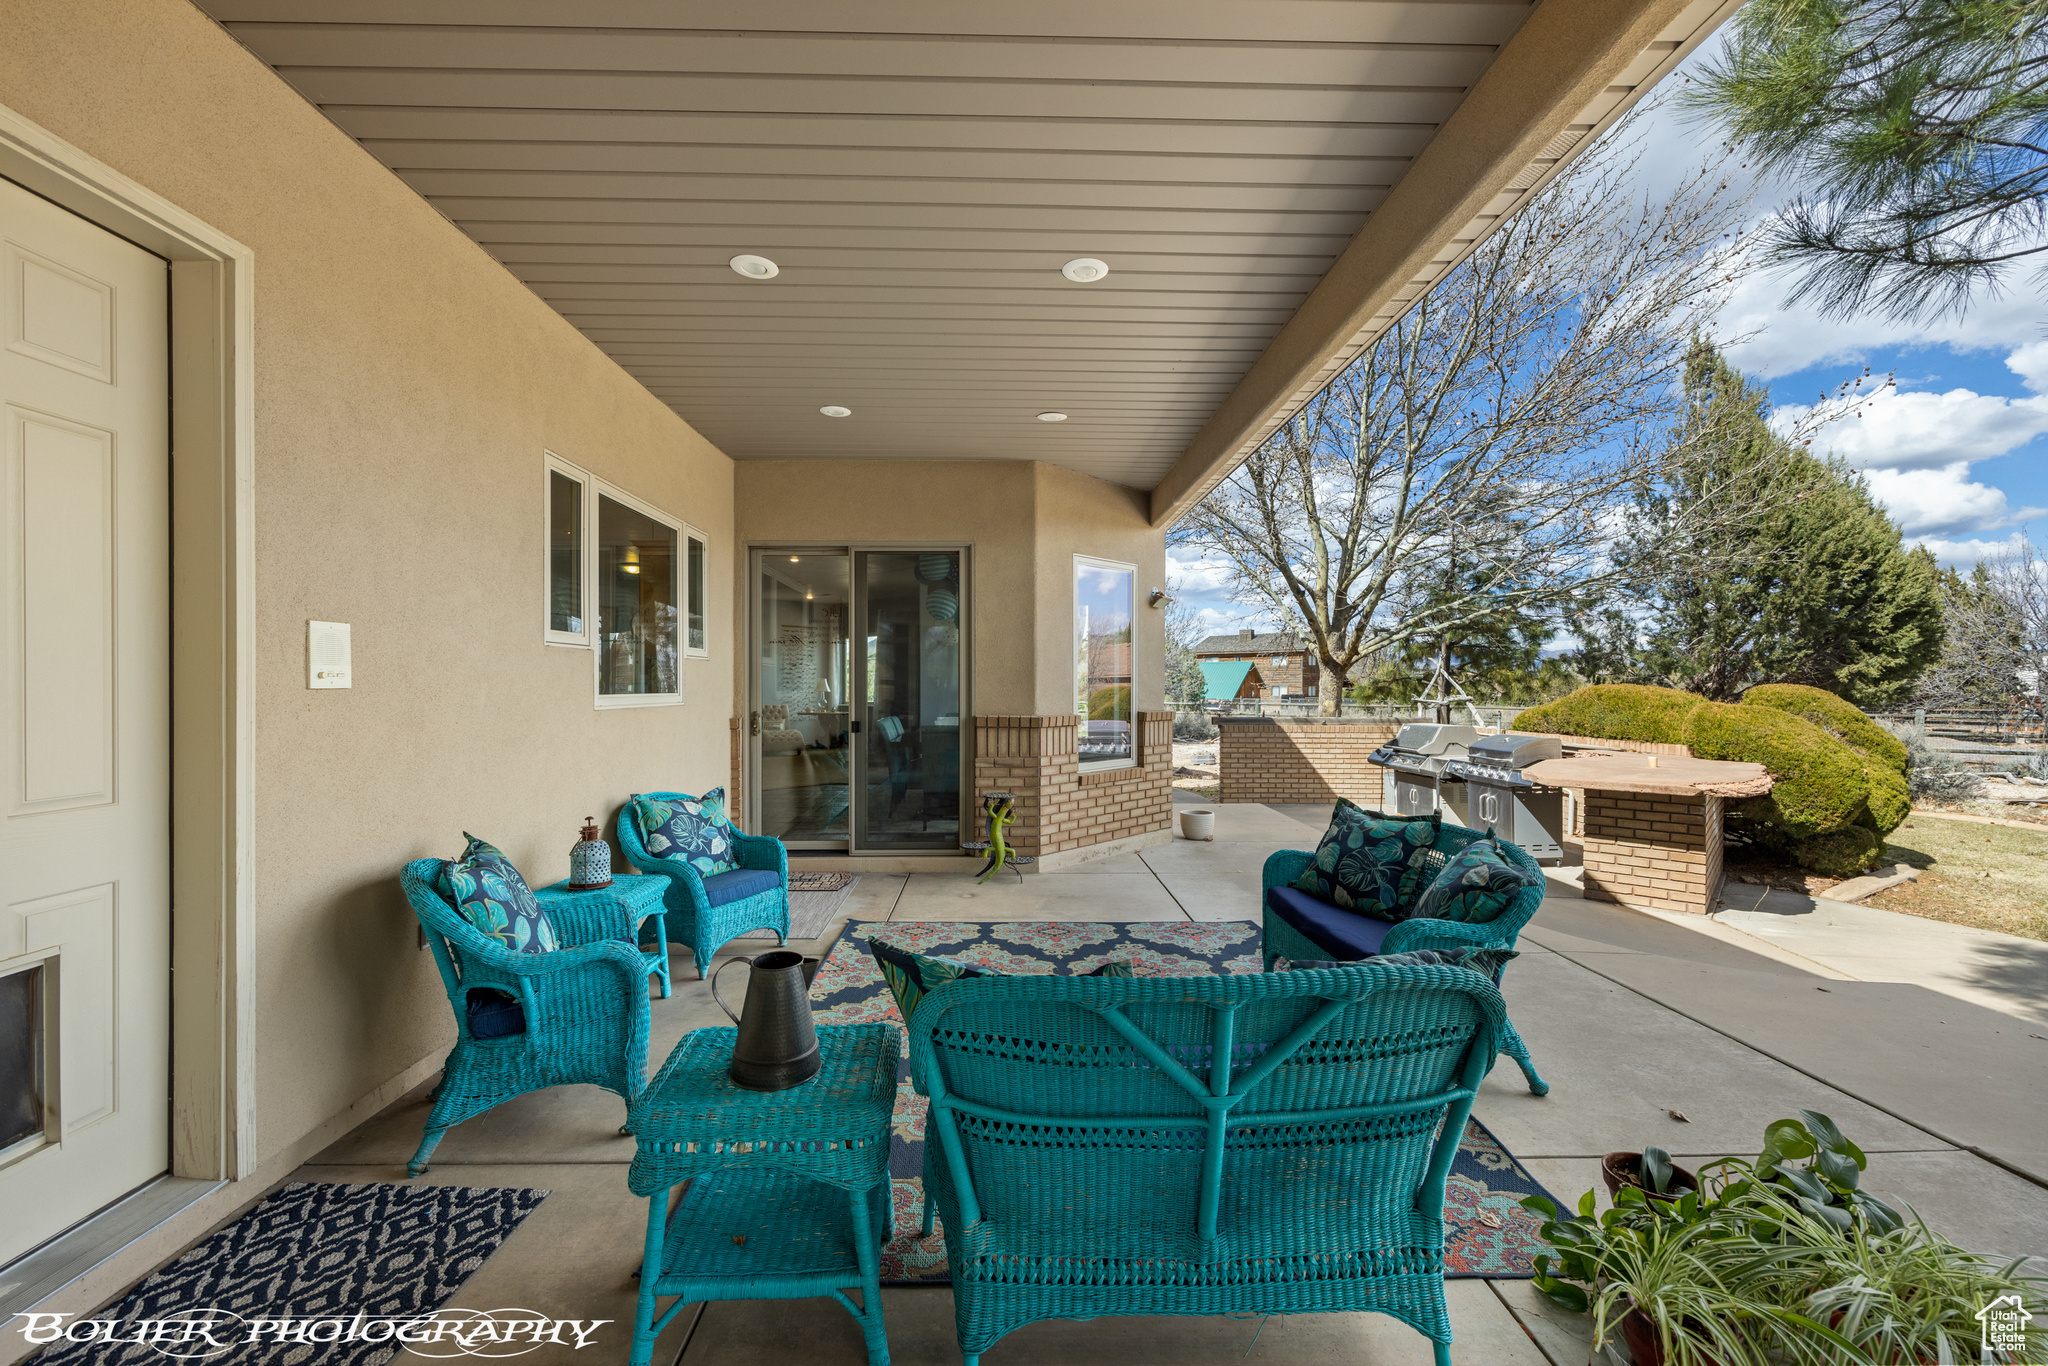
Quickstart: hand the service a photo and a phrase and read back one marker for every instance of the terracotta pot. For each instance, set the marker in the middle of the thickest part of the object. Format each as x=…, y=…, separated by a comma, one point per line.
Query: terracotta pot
x=1615, y=1166
x=1641, y=1336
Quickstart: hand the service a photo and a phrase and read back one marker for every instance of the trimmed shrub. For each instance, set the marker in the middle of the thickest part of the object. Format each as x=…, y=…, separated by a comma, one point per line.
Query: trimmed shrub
x=1839, y=779
x=1840, y=853
x=1890, y=801
x=1838, y=718
x=1615, y=711
x=1820, y=784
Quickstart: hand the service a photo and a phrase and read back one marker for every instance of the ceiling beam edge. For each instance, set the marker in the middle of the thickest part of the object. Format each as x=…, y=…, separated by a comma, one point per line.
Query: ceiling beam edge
x=1565, y=55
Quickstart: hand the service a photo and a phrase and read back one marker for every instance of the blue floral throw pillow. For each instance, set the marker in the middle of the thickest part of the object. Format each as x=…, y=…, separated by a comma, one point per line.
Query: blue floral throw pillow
x=692, y=830
x=1474, y=887
x=911, y=975
x=1367, y=864
x=491, y=895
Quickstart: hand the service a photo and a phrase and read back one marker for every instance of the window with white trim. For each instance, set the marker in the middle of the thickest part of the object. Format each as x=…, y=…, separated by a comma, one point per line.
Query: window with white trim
x=626, y=581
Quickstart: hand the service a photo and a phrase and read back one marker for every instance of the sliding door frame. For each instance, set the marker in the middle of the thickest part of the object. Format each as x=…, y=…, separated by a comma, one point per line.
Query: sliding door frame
x=750, y=750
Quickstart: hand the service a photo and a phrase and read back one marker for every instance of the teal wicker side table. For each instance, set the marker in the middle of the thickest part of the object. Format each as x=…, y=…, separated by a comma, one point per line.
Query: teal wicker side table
x=644, y=895
x=789, y=1190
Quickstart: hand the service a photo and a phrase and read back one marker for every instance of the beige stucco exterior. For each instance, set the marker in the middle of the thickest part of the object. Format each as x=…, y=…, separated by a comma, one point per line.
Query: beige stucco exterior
x=406, y=387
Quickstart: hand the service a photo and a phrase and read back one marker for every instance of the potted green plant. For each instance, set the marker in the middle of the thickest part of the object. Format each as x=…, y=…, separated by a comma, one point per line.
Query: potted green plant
x=1780, y=1260
x=1682, y=1282
x=1651, y=1171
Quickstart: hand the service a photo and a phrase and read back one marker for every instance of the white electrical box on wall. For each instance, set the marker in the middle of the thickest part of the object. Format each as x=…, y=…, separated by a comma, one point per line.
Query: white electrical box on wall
x=327, y=654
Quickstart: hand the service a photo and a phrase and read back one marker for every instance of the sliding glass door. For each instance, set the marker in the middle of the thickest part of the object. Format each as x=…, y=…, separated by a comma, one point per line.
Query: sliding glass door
x=800, y=725
x=858, y=723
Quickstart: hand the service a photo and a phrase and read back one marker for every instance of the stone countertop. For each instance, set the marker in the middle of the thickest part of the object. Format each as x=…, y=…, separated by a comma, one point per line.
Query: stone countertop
x=1658, y=773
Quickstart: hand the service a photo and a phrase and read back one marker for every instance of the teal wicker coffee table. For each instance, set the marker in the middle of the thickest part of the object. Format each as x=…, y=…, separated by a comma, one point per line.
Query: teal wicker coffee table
x=643, y=893
x=789, y=1190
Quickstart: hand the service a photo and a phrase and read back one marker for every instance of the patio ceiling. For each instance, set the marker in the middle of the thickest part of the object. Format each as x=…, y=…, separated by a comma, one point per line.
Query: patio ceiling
x=921, y=169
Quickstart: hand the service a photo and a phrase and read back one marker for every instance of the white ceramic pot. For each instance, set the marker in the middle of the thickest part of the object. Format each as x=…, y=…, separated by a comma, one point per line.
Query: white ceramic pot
x=1198, y=825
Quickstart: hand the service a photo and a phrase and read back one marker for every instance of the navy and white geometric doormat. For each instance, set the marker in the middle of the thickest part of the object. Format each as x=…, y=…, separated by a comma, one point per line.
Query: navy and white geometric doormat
x=338, y=1275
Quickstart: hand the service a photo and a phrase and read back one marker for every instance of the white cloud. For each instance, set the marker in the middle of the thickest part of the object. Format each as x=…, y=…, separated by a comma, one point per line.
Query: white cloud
x=1914, y=429
x=1944, y=499
x=1197, y=576
x=1963, y=554
x=1786, y=338
x=2030, y=363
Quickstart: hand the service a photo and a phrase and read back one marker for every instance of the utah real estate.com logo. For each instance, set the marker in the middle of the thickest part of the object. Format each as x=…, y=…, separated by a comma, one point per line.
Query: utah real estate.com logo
x=2005, y=1322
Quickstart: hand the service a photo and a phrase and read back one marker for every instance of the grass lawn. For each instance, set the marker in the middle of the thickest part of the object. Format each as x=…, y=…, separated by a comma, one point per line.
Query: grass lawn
x=1992, y=877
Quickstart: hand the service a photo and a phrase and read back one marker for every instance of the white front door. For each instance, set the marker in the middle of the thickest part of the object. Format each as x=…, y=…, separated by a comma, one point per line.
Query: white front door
x=85, y=854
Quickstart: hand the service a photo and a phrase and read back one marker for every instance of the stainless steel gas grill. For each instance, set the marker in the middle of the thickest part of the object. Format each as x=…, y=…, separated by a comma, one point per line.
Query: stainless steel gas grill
x=1415, y=761
x=1498, y=796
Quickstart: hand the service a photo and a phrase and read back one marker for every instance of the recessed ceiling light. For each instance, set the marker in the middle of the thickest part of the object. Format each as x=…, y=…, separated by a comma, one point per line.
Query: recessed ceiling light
x=1052, y=417
x=834, y=410
x=1082, y=271
x=755, y=267
x=793, y=559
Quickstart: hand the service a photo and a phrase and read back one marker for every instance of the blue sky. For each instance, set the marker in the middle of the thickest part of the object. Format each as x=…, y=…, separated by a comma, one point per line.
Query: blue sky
x=1956, y=448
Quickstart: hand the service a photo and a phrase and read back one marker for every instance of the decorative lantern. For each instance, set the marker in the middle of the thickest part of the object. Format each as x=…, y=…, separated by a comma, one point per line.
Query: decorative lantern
x=590, y=861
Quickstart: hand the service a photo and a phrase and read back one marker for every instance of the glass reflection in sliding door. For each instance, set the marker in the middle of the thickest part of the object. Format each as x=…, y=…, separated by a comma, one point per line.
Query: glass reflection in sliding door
x=911, y=607
x=803, y=736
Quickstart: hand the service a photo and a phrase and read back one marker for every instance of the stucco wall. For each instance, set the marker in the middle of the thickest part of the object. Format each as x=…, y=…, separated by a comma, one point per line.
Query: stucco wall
x=405, y=388
x=1025, y=522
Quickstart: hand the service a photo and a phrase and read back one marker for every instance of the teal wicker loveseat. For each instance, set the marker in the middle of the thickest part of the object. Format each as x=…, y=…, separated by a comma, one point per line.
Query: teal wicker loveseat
x=582, y=1010
x=1346, y=936
x=698, y=910
x=1268, y=1143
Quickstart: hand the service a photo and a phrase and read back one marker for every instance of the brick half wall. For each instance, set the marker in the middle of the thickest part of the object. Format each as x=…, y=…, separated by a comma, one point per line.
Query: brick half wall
x=1650, y=850
x=1058, y=807
x=1275, y=760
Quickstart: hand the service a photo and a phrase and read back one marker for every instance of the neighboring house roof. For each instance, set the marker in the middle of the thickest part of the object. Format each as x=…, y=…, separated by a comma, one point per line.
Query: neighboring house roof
x=1110, y=662
x=1222, y=679
x=1235, y=644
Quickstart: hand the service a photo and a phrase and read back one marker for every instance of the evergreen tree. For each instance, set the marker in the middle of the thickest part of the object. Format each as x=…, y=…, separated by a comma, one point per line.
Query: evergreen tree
x=1918, y=130
x=1815, y=587
x=1492, y=656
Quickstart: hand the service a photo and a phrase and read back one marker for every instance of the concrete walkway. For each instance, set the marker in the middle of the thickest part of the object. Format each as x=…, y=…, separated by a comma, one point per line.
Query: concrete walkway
x=1630, y=1017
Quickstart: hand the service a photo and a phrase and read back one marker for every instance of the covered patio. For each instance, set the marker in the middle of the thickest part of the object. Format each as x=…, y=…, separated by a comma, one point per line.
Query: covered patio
x=435, y=426
x=1632, y=1017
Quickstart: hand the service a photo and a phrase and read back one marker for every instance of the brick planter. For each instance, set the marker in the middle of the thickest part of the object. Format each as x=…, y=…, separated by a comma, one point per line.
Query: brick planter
x=1058, y=807
x=1300, y=759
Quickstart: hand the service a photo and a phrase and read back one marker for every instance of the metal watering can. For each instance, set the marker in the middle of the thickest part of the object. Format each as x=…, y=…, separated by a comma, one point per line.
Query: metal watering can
x=777, y=1047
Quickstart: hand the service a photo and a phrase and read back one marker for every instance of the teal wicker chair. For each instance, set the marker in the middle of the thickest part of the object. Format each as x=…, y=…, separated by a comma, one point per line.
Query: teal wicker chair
x=702, y=912
x=1271, y=1143
x=582, y=1010
x=1351, y=936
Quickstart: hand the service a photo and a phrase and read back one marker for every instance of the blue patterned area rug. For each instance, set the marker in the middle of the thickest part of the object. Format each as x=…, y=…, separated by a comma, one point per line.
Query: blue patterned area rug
x=1487, y=1234
x=317, y=1272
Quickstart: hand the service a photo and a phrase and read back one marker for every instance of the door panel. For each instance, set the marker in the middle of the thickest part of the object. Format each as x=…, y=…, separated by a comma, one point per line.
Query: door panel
x=85, y=744
x=802, y=733
x=910, y=609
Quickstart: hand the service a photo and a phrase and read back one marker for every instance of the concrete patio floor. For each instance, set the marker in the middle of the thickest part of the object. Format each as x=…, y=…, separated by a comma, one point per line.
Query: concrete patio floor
x=1629, y=1016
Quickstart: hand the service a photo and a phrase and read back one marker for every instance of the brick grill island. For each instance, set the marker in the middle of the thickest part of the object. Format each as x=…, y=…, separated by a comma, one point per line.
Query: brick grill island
x=1300, y=759
x=1652, y=824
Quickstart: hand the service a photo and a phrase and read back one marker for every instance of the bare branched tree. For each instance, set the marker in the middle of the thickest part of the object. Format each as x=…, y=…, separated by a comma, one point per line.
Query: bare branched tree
x=1493, y=436
x=1996, y=657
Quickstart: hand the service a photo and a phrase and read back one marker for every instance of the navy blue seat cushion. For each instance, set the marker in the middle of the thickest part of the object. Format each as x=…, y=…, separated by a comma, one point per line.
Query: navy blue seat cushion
x=494, y=1015
x=1345, y=935
x=739, y=884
